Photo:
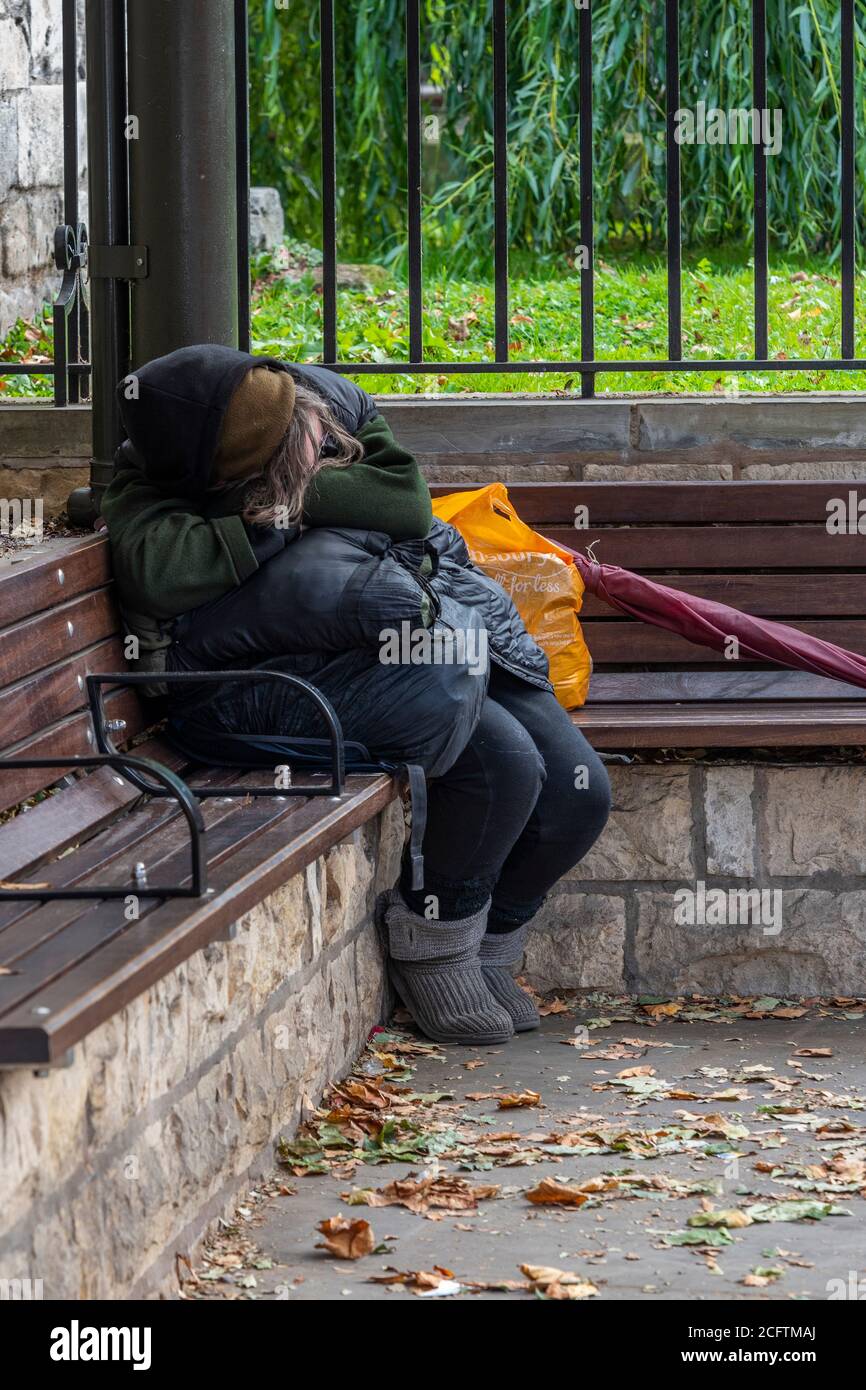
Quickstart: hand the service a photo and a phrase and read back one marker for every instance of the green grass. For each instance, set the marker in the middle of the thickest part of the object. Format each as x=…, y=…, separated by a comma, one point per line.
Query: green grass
x=630, y=316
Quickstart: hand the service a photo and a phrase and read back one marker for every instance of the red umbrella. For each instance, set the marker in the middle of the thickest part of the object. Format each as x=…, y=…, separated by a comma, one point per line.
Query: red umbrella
x=711, y=624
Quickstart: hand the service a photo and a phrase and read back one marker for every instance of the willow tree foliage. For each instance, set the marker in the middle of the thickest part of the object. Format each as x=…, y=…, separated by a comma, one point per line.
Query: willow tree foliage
x=543, y=112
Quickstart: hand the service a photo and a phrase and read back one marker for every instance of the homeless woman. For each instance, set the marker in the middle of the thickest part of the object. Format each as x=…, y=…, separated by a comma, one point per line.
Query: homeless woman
x=263, y=515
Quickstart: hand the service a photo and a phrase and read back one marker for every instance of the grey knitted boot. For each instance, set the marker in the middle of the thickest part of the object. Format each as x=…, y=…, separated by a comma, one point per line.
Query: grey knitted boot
x=499, y=953
x=434, y=967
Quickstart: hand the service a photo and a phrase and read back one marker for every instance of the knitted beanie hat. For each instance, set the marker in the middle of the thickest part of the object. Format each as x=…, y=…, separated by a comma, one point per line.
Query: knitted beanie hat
x=255, y=421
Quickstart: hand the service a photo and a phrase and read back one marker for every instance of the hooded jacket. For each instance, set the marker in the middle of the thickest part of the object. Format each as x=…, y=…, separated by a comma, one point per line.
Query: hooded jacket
x=201, y=589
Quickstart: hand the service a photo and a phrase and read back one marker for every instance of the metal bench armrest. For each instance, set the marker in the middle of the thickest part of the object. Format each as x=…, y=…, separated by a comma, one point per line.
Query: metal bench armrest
x=335, y=733
x=128, y=766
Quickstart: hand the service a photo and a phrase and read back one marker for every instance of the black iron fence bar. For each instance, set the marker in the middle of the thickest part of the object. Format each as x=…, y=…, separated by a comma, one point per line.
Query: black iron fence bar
x=674, y=210
x=587, y=210
x=105, y=32
x=589, y=366
x=413, y=177
x=72, y=369
x=242, y=147
x=848, y=211
x=500, y=178
x=66, y=306
x=76, y=318
x=759, y=102
x=329, y=180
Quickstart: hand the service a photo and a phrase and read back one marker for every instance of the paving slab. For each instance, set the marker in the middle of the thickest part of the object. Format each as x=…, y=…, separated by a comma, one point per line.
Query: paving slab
x=729, y=1152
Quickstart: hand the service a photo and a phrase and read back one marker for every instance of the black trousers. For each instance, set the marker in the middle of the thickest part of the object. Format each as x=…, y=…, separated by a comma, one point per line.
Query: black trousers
x=523, y=804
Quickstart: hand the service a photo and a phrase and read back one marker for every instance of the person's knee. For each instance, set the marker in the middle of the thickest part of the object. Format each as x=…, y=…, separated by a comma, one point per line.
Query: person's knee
x=576, y=808
x=513, y=768
x=516, y=771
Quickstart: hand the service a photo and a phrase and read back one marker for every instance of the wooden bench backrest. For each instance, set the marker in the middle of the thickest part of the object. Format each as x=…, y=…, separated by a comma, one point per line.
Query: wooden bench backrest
x=763, y=547
x=58, y=622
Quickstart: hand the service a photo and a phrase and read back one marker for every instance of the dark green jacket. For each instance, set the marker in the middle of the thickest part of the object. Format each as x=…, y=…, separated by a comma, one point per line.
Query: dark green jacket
x=169, y=558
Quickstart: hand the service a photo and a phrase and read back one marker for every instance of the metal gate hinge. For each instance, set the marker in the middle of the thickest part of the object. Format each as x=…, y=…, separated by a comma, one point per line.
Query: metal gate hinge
x=117, y=262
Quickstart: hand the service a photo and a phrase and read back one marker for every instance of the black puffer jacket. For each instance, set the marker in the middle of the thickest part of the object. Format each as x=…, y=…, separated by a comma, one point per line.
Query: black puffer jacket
x=321, y=603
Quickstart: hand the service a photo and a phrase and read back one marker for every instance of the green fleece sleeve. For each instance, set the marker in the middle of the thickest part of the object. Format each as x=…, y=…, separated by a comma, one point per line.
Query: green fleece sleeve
x=384, y=491
x=167, y=558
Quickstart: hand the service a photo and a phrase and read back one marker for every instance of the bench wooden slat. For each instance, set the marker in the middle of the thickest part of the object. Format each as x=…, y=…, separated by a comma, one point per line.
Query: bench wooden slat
x=72, y=737
x=783, y=596
x=727, y=725
x=97, y=859
x=136, y=958
x=54, y=825
x=59, y=632
x=70, y=930
x=687, y=503
x=641, y=687
x=55, y=692
x=629, y=643
x=717, y=547
x=72, y=566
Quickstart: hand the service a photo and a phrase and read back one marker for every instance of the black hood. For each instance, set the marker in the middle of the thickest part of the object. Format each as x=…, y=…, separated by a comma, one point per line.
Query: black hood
x=174, y=422
x=175, y=418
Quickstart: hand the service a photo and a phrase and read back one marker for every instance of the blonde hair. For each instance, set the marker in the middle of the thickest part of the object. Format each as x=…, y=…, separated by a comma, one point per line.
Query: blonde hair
x=278, y=491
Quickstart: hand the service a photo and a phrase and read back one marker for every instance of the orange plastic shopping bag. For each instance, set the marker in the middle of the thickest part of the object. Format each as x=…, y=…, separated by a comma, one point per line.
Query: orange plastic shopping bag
x=540, y=577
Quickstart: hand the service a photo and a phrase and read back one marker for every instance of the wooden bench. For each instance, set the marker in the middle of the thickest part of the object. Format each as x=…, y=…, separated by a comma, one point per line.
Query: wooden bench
x=760, y=546
x=68, y=964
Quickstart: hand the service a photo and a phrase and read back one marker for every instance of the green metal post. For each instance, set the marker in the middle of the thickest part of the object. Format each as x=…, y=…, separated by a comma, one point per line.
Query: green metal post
x=183, y=182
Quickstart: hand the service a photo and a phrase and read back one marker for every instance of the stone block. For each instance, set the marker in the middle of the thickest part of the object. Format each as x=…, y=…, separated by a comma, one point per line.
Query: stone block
x=730, y=820
x=267, y=223
x=471, y=474
x=820, y=949
x=14, y=55
x=51, y=484
x=346, y=880
x=27, y=234
x=847, y=470
x=649, y=834
x=577, y=941
x=46, y=40
x=8, y=141
x=40, y=136
x=814, y=819
x=647, y=472
x=753, y=422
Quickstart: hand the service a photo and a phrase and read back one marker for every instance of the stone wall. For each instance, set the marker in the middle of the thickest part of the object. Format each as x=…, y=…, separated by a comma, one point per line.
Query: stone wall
x=111, y=1166
x=44, y=453
x=31, y=152
x=792, y=829
x=463, y=441
x=516, y=439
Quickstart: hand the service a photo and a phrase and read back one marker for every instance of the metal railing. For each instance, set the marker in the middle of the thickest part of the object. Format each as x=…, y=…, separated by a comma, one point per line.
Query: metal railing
x=108, y=169
x=70, y=311
x=588, y=366
x=70, y=368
